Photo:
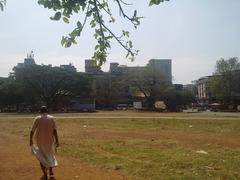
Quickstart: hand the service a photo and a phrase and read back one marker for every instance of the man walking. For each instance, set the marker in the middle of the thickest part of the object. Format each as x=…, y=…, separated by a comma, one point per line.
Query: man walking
x=44, y=140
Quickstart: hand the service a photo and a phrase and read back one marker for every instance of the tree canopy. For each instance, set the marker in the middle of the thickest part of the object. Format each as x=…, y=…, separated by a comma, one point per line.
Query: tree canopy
x=224, y=82
x=99, y=15
x=40, y=84
x=224, y=66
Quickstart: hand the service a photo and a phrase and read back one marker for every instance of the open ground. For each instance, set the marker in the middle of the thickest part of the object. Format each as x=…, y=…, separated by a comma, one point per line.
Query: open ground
x=128, y=145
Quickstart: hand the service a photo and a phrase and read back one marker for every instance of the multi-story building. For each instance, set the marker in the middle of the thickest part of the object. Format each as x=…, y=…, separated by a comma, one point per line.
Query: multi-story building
x=91, y=67
x=203, y=91
x=156, y=72
x=161, y=69
x=28, y=61
x=228, y=91
x=69, y=67
x=190, y=88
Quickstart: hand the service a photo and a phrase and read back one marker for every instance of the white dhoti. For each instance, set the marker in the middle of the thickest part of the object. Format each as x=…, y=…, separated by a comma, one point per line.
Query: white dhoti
x=47, y=159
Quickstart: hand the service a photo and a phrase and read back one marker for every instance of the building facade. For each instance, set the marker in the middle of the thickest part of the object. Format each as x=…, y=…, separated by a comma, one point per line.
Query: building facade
x=161, y=69
x=203, y=90
x=116, y=81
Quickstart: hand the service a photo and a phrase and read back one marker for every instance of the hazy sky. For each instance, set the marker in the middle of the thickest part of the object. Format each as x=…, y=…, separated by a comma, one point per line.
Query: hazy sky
x=193, y=33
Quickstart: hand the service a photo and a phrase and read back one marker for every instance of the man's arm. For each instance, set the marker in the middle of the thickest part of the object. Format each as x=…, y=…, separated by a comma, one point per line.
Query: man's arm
x=55, y=134
x=31, y=137
x=34, y=127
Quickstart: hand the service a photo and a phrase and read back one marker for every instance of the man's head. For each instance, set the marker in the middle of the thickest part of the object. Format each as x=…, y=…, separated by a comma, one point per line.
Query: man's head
x=43, y=109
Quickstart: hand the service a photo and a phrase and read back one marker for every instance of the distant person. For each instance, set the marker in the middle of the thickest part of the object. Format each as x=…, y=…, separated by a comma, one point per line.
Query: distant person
x=43, y=141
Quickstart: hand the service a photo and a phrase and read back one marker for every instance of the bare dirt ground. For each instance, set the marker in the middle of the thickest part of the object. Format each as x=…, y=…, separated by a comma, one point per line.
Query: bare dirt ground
x=17, y=163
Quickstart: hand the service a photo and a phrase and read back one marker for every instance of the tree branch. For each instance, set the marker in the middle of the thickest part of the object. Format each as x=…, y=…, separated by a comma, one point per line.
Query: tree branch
x=124, y=15
x=118, y=40
x=99, y=20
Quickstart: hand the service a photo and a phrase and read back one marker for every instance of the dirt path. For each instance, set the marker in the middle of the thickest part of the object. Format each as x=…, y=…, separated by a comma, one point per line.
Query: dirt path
x=17, y=163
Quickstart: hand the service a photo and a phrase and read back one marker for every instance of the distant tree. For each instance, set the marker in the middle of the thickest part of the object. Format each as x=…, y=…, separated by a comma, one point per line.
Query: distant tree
x=175, y=100
x=10, y=93
x=147, y=82
x=188, y=98
x=78, y=84
x=224, y=82
x=108, y=91
x=99, y=12
x=151, y=84
x=49, y=84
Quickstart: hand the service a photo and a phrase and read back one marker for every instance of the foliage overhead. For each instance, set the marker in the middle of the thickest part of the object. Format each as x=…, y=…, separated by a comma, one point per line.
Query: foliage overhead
x=99, y=14
x=2, y=3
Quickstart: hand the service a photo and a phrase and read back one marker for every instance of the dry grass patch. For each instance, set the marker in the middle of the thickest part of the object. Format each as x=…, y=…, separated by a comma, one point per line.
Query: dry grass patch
x=155, y=146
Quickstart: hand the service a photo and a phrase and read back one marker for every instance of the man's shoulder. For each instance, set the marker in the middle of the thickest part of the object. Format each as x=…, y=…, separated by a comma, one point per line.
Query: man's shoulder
x=50, y=116
x=37, y=117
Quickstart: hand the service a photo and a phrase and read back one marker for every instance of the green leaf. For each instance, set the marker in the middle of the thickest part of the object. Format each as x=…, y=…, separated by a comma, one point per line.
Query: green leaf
x=74, y=41
x=130, y=44
x=89, y=13
x=66, y=20
x=97, y=47
x=126, y=33
x=75, y=32
x=1, y=6
x=156, y=2
x=63, y=40
x=68, y=44
x=75, y=9
x=66, y=13
x=93, y=24
x=79, y=24
x=57, y=16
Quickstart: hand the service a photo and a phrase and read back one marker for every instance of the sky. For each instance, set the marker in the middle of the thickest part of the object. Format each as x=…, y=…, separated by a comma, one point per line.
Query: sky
x=193, y=33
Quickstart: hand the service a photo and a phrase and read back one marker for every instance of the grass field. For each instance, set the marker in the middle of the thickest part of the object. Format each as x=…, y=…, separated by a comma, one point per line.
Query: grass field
x=146, y=145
